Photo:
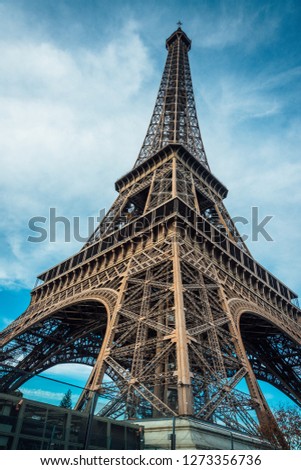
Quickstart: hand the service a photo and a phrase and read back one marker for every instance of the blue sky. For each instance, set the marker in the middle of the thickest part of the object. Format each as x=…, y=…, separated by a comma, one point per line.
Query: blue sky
x=78, y=82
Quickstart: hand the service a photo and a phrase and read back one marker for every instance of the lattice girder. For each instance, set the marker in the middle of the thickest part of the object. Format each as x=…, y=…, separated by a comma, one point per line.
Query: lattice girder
x=174, y=118
x=147, y=299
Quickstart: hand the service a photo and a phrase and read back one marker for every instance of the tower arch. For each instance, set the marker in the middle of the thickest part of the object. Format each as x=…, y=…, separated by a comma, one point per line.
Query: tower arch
x=274, y=355
x=71, y=332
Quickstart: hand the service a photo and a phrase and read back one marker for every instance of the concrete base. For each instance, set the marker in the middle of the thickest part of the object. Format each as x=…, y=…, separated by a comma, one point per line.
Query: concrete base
x=194, y=434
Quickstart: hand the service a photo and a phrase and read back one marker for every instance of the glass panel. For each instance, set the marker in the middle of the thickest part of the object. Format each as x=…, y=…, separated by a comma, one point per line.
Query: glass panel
x=53, y=445
x=78, y=429
x=56, y=425
x=133, y=439
x=34, y=420
x=8, y=415
x=29, y=444
x=5, y=442
x=99, y=434
x=117, y=437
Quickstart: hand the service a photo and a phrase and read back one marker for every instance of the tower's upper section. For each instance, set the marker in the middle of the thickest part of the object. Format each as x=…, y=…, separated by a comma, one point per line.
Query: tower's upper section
x=174, y=119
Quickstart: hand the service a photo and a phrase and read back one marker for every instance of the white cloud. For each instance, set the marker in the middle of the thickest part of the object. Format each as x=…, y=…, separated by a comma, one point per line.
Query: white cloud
x=40, y=394
x=6, y=321
x=279, y=79
x=252, y=137
x=64, y=117
x=235, y=23
x=75, y=371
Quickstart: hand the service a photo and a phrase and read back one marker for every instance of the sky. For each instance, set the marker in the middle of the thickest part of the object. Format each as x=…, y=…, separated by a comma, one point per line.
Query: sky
x=78, y=82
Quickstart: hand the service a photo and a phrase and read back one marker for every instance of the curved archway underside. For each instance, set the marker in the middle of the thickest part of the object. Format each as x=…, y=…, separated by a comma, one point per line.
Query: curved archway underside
x=72, y=334
x=275, y=358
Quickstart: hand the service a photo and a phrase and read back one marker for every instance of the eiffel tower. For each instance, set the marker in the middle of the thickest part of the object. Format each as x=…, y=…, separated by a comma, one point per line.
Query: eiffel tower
x=165, y=301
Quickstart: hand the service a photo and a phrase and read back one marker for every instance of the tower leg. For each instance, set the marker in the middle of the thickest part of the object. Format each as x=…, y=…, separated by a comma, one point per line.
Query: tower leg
x=185, y=398
x=96, y=377
x=268, y=425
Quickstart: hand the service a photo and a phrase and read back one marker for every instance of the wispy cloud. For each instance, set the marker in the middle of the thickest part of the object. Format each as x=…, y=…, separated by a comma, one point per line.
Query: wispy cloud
x=74, y=371
x=6, y=321
x=252, y=131
x=60, y=116
x=236, y=23
x=40, y=394
x=280, y=79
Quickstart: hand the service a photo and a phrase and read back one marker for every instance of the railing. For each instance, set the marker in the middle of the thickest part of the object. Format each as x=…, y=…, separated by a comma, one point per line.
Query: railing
x=296, y=302
x=193, y=220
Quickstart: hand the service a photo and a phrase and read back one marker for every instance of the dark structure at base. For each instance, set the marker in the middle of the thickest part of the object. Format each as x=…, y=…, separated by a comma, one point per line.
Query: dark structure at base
x=27, y=424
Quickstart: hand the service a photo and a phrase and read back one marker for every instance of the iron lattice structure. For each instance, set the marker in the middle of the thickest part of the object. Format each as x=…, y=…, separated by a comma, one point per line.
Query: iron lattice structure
x=165, y=301
x=174, y=120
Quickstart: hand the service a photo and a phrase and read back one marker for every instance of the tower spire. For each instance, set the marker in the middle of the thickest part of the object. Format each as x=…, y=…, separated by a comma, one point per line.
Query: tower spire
x=174, y=119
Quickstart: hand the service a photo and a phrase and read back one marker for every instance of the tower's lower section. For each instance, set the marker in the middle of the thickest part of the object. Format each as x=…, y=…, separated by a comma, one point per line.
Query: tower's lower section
x=175, y=321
